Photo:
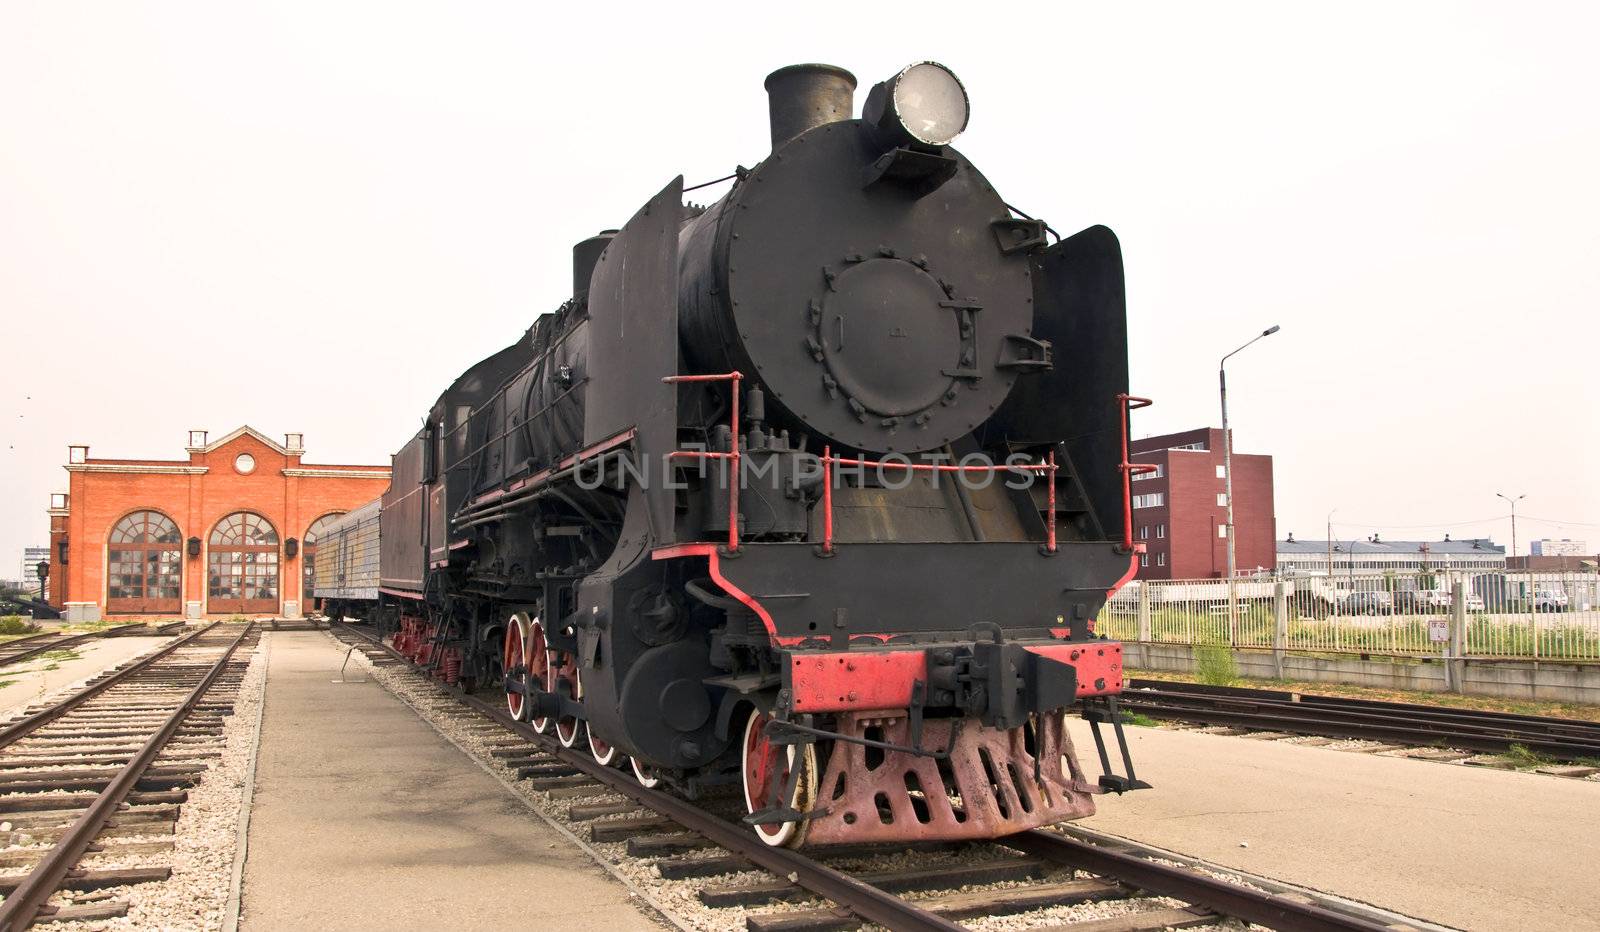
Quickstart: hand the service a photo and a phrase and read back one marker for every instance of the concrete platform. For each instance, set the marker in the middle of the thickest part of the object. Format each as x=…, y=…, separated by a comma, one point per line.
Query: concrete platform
x=364, y=818
x=1462, y=846
x=29, y=680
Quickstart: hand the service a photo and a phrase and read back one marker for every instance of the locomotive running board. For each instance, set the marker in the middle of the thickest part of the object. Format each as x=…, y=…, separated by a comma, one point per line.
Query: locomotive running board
x=1110, y=781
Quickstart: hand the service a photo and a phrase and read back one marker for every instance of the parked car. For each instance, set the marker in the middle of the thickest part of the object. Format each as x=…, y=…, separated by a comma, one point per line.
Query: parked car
x=1367, y=603
x=1474, y=602
x=1549, y=599
x=1422, y=601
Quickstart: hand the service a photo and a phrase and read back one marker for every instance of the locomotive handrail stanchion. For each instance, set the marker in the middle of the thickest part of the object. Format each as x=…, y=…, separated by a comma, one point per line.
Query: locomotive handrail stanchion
x=1129, y=403
x=827, y=500
x=734, y=476
x=1050, y=498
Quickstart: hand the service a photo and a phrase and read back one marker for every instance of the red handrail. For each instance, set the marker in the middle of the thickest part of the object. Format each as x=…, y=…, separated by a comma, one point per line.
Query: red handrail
x=1127, y=403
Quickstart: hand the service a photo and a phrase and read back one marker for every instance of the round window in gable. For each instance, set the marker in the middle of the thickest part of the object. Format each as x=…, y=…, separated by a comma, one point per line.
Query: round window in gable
x=244, y=463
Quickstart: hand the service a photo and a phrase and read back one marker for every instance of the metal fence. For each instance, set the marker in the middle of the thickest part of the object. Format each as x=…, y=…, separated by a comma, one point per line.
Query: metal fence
x=1465, y=613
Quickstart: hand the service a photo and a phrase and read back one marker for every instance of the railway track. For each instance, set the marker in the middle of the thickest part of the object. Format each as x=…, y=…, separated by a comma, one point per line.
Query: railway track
x=110, y=761
x=683, y=841
x=1363, y=719
x=32, y=646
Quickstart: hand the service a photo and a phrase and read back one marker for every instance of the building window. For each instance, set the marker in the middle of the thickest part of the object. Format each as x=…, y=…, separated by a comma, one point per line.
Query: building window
x=244, y=463
x=1153, y=500
x=1144, y=532
x=242, y=565
x=1199, y=445
x=1156, y=473
x=1222, y=499
x=1222, y=471
x=145, y=564
x=1222, y=530
x=1161, y=532
x=1144, y=559
x=1161, y=559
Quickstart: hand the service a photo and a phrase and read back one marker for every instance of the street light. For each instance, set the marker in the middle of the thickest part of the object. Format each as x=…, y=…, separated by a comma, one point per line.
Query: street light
x=1513, y=502
x=1330, y=543
x=1227, y=478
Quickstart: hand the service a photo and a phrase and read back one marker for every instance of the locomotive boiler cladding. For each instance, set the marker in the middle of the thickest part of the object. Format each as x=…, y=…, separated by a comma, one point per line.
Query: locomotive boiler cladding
x=864, y=640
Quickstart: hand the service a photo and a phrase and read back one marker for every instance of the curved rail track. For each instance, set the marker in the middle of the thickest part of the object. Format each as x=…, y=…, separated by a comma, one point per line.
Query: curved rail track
x=32, y=646
x=1362, y=719
x=111, y=759
x=662, y=826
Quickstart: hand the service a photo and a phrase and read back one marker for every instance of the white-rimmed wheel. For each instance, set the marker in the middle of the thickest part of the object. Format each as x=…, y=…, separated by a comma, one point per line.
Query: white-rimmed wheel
x=645, y=774
x=604, y=754
x=513, y=657
x=765, y=764
x=538, y=668
x=566, y=683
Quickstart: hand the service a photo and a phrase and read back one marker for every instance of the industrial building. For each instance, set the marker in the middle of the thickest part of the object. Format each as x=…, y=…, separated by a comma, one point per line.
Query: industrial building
x=1180, y=509
x=228, y=531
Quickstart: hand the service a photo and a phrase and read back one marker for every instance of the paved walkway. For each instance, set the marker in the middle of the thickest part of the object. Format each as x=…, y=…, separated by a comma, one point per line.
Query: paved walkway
x=364, y=818
x=33, y=679
x=1463, y=846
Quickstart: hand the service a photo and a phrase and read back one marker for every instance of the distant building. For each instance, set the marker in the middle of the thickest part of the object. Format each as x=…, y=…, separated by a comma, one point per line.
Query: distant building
x=1558, y=548
x=1180, y=510
x=1369, y=556
x=31, y=558
x=231, y=529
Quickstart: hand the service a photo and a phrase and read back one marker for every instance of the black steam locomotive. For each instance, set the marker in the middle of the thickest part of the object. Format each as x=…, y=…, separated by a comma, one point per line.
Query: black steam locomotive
x=814, y=490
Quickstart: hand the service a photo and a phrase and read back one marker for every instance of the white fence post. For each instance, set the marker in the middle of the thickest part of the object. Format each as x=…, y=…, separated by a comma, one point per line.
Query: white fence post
x=1456, y=647
x=1144, y=613
x=1280, y=624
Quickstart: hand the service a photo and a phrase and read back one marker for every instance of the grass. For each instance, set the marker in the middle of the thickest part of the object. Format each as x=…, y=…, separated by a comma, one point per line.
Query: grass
x=1525, y=759
x=17, y=625
x=1138, y=718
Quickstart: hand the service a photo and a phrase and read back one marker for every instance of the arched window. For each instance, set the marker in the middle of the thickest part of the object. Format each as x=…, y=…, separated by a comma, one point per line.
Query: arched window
x=308, y=556
x=145, y=563
x=242, y=565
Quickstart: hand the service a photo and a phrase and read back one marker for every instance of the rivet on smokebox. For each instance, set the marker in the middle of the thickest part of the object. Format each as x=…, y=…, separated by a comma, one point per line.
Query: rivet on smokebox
x=851, y=697
x=850, y=667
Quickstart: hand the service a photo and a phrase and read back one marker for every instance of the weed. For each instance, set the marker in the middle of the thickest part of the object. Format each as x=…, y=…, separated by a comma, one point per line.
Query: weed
x=1525, y=758
x=1213, y=664
x=1138, y=718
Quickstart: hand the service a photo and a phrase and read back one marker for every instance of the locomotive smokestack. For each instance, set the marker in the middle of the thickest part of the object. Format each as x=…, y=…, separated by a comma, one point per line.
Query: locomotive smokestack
x=800, y=97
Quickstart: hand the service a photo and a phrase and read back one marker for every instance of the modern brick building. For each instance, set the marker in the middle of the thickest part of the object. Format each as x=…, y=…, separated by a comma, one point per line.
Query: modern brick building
x=231, y=530
x=1180, y=511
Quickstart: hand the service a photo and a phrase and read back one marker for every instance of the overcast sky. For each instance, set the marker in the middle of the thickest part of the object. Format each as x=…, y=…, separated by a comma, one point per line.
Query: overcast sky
x=311, y=217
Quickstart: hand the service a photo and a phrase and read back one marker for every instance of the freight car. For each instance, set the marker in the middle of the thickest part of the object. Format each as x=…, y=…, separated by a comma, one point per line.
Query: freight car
x=814, y=491
x=344, y=574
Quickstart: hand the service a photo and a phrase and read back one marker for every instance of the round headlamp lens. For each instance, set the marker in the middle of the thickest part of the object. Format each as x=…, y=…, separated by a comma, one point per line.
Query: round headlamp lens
x=930, y=103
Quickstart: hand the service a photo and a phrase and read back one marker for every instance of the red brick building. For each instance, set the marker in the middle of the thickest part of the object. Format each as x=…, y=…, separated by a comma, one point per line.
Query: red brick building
x=231, y=530
x=1180, y=511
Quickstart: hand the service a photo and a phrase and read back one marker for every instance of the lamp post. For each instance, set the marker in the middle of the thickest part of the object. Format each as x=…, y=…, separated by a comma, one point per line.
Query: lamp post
x=1330, y=543
x=1227, y=478
x=1513, y=502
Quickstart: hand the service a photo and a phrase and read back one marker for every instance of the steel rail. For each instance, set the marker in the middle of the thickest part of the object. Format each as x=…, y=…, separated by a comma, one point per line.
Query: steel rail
x=22, y=906
x=67, y=641
x=1361, y=724
x=1332, y=725
x=24, y=727
x=1476, y=717
x=1191, y=886
x=865, y=900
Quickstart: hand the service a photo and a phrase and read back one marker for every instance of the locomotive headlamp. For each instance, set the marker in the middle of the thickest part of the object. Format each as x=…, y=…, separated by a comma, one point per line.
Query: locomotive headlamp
x=924, y=102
